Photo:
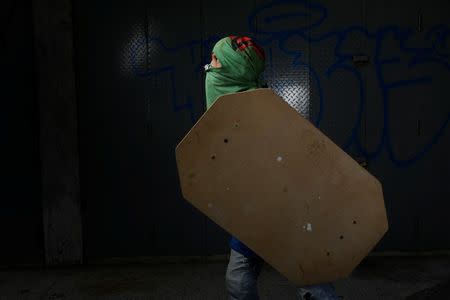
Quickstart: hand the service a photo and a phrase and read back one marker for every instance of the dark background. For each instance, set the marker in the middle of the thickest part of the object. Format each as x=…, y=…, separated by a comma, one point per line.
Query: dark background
x=372, y=75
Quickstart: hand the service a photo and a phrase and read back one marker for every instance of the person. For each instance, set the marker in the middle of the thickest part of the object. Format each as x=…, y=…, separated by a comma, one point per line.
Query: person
x=237, y=63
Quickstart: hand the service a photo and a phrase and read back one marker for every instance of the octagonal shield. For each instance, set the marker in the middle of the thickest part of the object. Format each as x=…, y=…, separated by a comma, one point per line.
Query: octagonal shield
x=269, y=177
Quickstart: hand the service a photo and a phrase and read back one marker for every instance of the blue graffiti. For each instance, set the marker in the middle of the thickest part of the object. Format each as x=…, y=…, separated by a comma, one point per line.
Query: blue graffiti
x=302, y=23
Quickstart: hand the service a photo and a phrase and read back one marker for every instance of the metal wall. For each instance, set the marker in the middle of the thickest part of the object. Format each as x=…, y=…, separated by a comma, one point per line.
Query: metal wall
x=20, y=201
x=370, y=74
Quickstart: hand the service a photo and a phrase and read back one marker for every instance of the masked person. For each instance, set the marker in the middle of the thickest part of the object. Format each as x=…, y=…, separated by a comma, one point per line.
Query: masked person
x=237, y=63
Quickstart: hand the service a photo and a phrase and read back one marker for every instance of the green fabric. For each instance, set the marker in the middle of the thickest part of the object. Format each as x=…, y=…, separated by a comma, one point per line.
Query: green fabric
x=242, y=64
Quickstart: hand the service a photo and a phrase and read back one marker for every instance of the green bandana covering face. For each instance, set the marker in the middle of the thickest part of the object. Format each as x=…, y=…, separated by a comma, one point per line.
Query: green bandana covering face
x=242, y=63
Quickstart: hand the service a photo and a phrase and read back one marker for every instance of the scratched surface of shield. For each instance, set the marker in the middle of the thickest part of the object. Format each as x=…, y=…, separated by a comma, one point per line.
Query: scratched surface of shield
x=269, y=177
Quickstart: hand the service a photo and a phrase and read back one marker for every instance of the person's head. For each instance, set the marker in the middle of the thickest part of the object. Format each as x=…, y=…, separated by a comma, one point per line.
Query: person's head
x=236, y=65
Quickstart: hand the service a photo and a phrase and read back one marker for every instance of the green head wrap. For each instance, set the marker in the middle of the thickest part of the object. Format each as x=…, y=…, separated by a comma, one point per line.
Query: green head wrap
x=242, y=63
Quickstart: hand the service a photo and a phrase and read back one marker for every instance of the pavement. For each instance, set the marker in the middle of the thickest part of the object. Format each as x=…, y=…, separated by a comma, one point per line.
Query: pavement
x=387, y=278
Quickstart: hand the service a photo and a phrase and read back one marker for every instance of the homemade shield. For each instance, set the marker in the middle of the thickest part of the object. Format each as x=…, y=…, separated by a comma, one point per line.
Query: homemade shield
x=269, y=177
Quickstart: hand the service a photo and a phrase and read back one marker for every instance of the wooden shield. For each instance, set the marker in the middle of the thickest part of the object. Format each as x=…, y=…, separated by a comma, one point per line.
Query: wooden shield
x=269, y=177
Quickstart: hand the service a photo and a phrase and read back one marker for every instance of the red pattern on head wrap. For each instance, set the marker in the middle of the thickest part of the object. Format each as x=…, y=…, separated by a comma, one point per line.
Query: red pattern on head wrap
x=244, y=42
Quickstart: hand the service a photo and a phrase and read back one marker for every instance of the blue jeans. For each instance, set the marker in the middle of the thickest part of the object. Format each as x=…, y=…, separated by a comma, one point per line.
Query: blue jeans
x=243, y=272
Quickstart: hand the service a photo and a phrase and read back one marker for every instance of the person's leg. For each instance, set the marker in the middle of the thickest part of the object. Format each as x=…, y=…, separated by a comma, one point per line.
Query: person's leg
x=324, y=291
x=241, y=277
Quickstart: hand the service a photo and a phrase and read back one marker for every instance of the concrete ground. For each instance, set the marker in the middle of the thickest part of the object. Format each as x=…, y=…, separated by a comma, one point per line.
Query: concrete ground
x=386, y=278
